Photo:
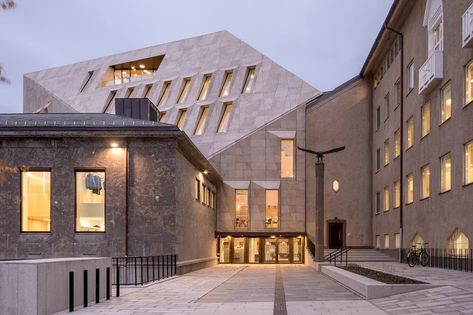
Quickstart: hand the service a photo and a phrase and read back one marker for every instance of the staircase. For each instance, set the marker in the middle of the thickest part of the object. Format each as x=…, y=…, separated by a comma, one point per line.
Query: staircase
x=363, y=255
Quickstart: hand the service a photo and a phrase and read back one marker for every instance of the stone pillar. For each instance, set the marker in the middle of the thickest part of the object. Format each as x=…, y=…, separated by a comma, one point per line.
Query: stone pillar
x=319, y=210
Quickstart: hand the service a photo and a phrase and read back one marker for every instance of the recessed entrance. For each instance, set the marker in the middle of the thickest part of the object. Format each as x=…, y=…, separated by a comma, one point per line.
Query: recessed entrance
x=335, y=235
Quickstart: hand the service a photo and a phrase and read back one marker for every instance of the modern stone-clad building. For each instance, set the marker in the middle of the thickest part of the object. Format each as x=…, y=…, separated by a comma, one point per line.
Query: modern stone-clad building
x=223, y=155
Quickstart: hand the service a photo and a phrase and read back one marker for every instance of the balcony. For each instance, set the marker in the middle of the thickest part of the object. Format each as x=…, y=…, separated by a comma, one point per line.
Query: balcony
x=431, y=72
x=467, y=38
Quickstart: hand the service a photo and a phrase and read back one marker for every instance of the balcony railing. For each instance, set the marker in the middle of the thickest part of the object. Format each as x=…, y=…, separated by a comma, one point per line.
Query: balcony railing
x=467, y=38
x=431, y=72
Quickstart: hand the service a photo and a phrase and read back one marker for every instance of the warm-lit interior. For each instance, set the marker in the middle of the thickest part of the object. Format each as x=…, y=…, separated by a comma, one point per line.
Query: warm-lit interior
x=199, y=129
x=182, y=118
x=186, y=83
x=410, y=189
x=241, y=208
x=36, y=201
x=410, y=132
x=239, y=250
x=162, y=116
x=253, y=250
x=425, y=119
x=205, y=87
x=163, y=97
x=445, y=173
x=386, y=198
x=397, y=143
x=425, y=189
x=287, y=158
x=272, y=208
x=226, y=84
x=225, y=249
x=469, y=163
x=469, y=83
x=397, y=194
x=225, y=119
x=132, y=71
x=386, y=152
x=446, y=103
x=90, y=201
x=249, y=80
x=458, y=243
x=386, y=240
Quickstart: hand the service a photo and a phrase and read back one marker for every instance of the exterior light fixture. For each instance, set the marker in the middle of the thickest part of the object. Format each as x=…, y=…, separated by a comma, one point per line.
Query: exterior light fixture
x=336, y=186
x=142, y=66
x=205, y=172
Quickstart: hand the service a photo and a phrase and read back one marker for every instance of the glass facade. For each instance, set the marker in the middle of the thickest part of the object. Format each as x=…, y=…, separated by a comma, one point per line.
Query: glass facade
x=239, y=250
x=90, y=201
x=241, y=208
x=287, y=158
x=36, y=201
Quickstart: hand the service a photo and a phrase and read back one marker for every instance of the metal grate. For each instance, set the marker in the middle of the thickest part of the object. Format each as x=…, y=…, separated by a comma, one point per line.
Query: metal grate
x=279, y=294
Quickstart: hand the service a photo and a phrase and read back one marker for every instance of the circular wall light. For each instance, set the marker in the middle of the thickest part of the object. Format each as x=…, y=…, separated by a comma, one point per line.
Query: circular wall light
x=335, y=186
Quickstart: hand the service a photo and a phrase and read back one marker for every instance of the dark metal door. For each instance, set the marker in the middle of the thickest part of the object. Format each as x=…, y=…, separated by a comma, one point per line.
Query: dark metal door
x=335, y=235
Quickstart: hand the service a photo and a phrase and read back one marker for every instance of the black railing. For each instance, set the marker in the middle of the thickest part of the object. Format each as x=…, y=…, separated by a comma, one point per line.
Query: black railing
x=455, y=259
x=142, y=270
x=337, y=255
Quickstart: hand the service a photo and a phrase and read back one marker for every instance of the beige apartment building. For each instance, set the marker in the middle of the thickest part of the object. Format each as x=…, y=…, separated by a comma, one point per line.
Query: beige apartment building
x=406, y=122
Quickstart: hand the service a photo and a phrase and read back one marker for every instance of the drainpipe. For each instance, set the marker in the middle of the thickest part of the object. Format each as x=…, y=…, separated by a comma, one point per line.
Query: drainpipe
x=401, y=135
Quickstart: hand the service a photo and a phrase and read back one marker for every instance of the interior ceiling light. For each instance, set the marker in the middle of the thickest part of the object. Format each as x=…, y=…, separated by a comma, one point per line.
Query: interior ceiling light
x=142, y=66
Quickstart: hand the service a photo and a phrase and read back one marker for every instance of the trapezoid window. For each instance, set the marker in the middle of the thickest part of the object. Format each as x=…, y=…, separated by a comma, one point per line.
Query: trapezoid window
x=225, y=119
x=200, y=126
x=204, y=90
x=186, y=83
x=249, y=80
x=227, y=82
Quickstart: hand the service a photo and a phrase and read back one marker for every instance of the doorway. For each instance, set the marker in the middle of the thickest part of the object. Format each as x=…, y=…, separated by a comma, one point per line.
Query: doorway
x=335, y=235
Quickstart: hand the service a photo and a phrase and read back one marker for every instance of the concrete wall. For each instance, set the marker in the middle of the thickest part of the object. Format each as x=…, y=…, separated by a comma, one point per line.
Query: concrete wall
x=342, y=118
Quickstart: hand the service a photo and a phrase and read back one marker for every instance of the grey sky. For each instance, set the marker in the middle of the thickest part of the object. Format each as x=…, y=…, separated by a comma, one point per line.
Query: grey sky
x=325, y=42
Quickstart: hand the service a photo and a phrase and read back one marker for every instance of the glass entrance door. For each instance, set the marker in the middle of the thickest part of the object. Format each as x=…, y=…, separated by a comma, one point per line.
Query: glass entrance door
x=239, y=250
x=270, y=250
x=283, y=250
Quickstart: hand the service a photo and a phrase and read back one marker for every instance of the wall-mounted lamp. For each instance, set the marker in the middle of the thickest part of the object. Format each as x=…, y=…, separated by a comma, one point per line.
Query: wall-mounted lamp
x=205, y=172
x=114, y=145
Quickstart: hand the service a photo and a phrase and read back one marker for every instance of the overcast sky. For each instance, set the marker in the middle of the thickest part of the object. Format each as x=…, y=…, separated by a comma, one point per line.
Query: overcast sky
x=325, y=42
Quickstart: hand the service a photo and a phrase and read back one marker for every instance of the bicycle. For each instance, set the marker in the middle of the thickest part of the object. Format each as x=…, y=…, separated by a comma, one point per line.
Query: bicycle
x=415, y=256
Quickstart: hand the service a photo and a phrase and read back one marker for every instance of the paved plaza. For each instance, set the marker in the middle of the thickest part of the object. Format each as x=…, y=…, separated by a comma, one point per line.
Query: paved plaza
x=295, y=289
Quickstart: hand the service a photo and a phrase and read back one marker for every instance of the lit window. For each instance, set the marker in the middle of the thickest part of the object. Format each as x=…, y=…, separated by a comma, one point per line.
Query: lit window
x=272, y=208
x=469, y=82
x=425, y=183
x=378, y=118
x=36, y=201
x=197, y=189
x=410, y=77
x=410, y=189
x=287, y=158
x=204, y=90
x=386, y=198
x=377, y=205
x=241, y=208
x=469, y=163
x=397, y=91
x=186, y=83
x=397, y=143
x=249, y=80
x=164, y=93
x=108, y=103
x=386, y=107
x=446, y=103
x=397, y=194
x=87, y=81
x=378, y=159
x=425, y=113
x=90, y=201
x=397, y=240
x=204, y=189
x=458, y=243
x=225, y=91
x=445, y=173
x=410, y=132
x=417, y=241
x=253, y=250
x=181, y=118
x=199, y=129
x=386, y=241
x=162, y=116
x=386, y=152
x=225, y=119
x=129, y=92
x=378, y=241
x=146, y=90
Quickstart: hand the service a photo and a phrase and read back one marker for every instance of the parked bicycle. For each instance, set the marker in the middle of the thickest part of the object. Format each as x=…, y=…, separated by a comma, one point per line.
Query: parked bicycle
x=418, y=255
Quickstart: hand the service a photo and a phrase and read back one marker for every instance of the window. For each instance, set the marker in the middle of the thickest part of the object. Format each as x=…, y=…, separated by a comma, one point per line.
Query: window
x=397, y=194
x=162, y=116
x=181, y=118
x=253, y=250
x=87, y=81
x=287, y=158
x=458, y=243
x=468, y=163
x=90, y=201
x=378, y=159
x=378, y=241
x=249, y=80
x=225, y=91
x=386, y=152
x=386, y=241
x=386, y=198
x=410, y=77
x=446, y=103
x=204, y=90
x=199, y=128
x=410, y=132
x=425, y=181
x=108, y=103
x=129, y=91
x=146, y=90
x=425, y=113
x=438, y=37
x=272, y=208
x=225, y=119
x=377, y=205
x=386, y=107
x=164, y=93
x=378, y=118
x=207, y=196
x=213, y=199
x=225, y=249
x=445, y=173
x=397, y=143
x=397, y=92
x=397, y=240
x=469, y=82
x=241, y=208
x=410, y=188
x=36, y=201
x=186, y=83
x=204, y=194
x=239, y=250
x=197, y=189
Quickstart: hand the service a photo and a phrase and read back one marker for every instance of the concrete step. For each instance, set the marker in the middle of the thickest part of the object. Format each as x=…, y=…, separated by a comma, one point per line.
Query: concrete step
x=360, y=255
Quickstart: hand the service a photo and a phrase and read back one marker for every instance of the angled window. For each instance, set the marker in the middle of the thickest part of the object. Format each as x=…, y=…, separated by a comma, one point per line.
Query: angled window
x=425, y=181
x=410, y=188
x=241, y=208
x=225, y=91
x=397, y=91
x=377, y=203
x=87, y=81
x=249, y=80
x=272, y=208
x=469, y=83
x=204, y=90
x=108, y=103
x=468, y=168
x=386, y=152
x=225, y=119
x=164, y=93
x=200, y=126
x=186, y=83
x=378, y=118
x=397, y=194
x=446, y=102
x=386, y=198
x=287, y=158
x=397, y=143
x=162, y=117
x=410, y=77
x=410, y=132
x=445, y=173
x=36, y=201
x=129, y=92
x=181, y=119
x=146, y=90
x=90, y=201
x=132, y=71
x=425, y=113
x=387, y=107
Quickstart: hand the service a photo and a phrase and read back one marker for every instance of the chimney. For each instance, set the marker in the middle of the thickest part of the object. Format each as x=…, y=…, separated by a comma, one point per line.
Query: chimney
x=137, y=108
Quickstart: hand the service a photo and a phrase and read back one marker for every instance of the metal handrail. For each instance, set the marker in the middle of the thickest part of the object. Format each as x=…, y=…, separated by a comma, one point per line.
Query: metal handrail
x=339, y=253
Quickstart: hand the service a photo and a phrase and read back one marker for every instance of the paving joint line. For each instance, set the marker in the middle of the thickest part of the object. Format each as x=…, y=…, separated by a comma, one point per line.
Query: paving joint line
x=279, y=294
